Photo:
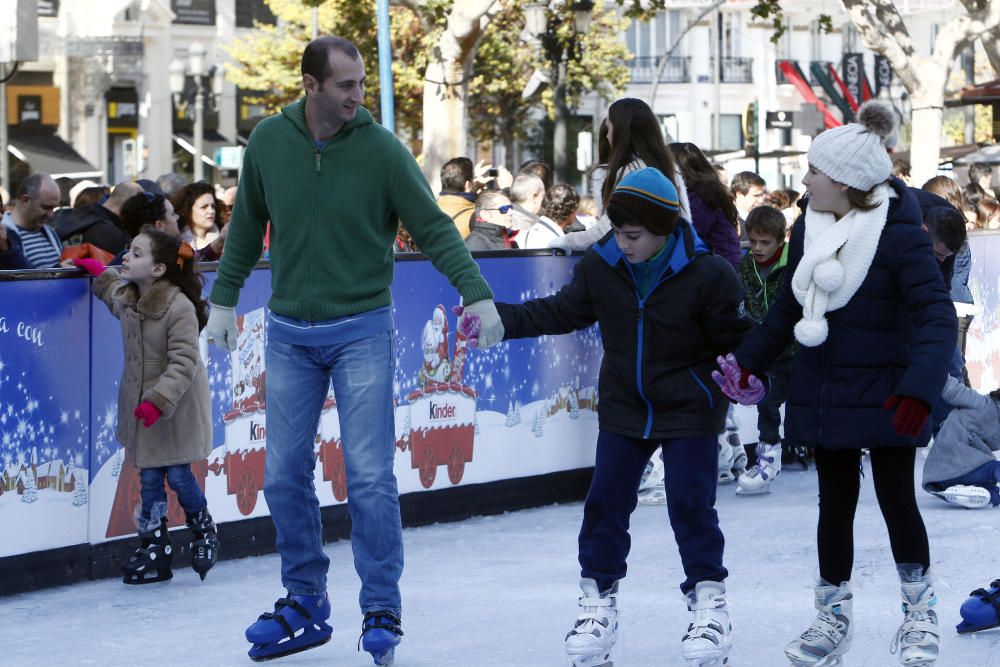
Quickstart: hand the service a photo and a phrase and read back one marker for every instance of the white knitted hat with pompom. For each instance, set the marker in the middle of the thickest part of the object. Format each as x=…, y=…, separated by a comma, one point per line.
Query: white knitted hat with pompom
x=854, y=154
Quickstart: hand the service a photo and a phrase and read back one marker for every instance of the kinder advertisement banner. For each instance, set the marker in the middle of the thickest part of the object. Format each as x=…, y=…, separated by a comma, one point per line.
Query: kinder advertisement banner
x=44, y=414
x=462, y=416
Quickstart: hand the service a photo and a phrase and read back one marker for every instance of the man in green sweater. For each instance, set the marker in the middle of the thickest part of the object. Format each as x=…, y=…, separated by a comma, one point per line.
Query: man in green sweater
x=334, y=186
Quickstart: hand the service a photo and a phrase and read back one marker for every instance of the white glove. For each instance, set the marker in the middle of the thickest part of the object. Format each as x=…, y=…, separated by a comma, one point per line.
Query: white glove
x=490, y=326
x=221, y=327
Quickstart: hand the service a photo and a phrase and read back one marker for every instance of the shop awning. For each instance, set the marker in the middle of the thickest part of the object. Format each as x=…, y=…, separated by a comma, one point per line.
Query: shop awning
x=210, y=142
x=49, y=154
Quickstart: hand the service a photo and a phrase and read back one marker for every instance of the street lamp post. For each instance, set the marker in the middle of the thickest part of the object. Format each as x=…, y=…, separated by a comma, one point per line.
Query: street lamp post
x=178, y=74
x=543, y=26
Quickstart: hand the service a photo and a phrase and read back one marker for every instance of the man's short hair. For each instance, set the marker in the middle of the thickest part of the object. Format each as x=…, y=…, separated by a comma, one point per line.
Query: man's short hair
x=978, y=170
x=455, y=173
x=171, y=183
x=539, y=169
x=947, y=225
x=766, y=220
x=316, y=56
x=32, y=185
x=743, y=181
x=489, y=199
x=524, y=187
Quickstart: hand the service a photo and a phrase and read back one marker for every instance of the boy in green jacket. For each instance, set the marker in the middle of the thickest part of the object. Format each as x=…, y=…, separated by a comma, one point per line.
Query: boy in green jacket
x=334, y=186
x=762, y=272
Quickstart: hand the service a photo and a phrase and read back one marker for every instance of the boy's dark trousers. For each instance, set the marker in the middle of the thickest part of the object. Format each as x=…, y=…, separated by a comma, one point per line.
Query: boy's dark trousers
x=690, y=478
x=768, y=410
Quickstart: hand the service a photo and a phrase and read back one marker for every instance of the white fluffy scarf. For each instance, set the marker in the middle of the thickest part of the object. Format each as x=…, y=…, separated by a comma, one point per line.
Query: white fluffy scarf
x=835, y=261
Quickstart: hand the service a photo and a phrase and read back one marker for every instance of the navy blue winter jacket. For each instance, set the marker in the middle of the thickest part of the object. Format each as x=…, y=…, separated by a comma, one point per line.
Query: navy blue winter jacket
x=895, y=336
x=659, y=352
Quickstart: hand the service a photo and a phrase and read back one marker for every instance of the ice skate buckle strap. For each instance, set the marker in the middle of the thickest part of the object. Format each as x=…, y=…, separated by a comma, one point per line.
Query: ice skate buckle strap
x=275, y=616
x=705, y=627
x=992, y=598
x=391, y=623
x=830, y=627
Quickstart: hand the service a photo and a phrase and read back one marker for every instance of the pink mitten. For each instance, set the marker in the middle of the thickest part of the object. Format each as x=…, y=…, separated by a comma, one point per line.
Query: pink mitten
x=736, y=383
x=468, y=326
x=91, y=266
x=147, y=413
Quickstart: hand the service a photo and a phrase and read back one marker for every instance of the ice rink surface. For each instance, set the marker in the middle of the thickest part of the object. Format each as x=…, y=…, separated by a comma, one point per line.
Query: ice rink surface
x=502, y=591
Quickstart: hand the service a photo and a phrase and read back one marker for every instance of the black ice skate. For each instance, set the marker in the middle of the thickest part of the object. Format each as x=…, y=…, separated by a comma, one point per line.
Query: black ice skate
x=151, y=561
x=205, y=546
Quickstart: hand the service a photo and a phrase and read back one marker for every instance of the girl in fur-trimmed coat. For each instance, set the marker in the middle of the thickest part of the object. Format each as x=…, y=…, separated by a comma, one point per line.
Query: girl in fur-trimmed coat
x=157, y=298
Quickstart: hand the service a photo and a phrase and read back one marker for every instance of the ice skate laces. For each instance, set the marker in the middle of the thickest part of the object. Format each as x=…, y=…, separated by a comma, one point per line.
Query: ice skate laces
x=591, y=621
x=919, y=620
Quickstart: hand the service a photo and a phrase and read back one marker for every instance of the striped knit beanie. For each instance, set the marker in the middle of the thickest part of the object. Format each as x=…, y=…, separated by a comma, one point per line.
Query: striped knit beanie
x=650, y=197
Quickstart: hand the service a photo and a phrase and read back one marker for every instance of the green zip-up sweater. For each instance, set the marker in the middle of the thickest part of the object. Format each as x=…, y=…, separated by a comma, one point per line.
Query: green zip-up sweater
x=334, y=213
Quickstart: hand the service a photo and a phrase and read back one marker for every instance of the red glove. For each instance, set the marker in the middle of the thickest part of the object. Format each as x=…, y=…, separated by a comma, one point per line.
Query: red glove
x=147, y=413
x=91, y=266
x=911, y=414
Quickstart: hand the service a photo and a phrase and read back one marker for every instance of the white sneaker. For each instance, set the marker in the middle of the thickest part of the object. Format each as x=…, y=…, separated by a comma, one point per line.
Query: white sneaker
x=758, y=477
x=919, y=637
x=967, y=496
x=709, y=636
x=829, y=636
x=725, y=460
x=593, y=635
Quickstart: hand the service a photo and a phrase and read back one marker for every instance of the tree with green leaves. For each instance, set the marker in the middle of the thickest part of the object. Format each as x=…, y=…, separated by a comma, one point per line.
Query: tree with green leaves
x=268, y=59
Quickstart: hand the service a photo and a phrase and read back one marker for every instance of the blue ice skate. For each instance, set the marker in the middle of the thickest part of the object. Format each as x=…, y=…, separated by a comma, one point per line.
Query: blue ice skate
x=298, y=623
x=380, y=634
x=982, y=610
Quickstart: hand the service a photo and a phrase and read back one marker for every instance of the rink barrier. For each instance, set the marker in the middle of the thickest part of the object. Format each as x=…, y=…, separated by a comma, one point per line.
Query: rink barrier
x=477, y=432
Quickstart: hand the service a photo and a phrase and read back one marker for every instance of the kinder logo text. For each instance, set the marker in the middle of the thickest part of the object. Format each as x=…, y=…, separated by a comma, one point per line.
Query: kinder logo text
x=442, y=411
x=257, y=432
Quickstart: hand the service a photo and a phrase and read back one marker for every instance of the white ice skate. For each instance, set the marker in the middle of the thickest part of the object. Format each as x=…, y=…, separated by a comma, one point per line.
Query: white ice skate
x=967, y=496
x=829, y=637
x=651, y=490
x=918, y=638
x=725, y=460
x=758, y=478
x=709, y=637
x=593, y=635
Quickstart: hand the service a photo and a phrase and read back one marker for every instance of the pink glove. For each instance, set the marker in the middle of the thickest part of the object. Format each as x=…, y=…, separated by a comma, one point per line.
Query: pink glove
x=736, y=383
x=147, y=413
x=468, y=326
x=91, y=266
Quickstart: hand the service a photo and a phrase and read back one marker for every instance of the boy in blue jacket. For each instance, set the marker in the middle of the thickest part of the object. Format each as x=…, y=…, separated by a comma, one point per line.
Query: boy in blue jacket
x=665, y=307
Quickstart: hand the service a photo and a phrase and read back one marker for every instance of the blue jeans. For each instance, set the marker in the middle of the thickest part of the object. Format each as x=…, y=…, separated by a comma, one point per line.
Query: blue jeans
x=154, y=496
x=297, y=381
x=690, y=468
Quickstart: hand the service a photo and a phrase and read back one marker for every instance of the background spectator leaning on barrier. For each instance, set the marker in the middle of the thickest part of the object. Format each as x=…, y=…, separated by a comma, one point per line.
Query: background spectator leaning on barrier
x=557, y=217
x=491, y=226
x=98, y=224
x=333, y=184
x=30, y=242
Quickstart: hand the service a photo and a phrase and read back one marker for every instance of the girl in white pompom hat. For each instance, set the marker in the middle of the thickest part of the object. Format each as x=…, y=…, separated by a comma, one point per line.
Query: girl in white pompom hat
x=876, y=329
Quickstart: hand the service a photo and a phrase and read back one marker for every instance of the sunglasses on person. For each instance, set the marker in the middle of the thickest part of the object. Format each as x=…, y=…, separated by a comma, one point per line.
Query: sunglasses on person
x=506, y=208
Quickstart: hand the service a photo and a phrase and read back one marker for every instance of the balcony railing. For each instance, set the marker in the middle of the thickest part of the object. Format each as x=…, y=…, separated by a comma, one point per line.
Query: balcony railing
x=677, y=70
x=734, y=70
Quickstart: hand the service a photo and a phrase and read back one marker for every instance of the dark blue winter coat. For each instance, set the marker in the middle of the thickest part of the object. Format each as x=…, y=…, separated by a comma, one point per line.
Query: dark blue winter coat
x=659, y=350
x=895, y=336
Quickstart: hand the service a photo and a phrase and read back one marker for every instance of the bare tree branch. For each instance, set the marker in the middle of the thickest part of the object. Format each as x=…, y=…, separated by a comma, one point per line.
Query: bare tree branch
x=883, y=31
x=956, y=35
x=991, y=44
x=418, y=7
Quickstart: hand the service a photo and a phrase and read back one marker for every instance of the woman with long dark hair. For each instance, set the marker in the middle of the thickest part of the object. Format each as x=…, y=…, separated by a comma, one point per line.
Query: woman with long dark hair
x=713, y=212
x=636, y=141
x=198, y=210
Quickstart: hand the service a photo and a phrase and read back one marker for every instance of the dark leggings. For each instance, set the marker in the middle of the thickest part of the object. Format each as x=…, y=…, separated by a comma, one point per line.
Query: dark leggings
x=839, y=472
